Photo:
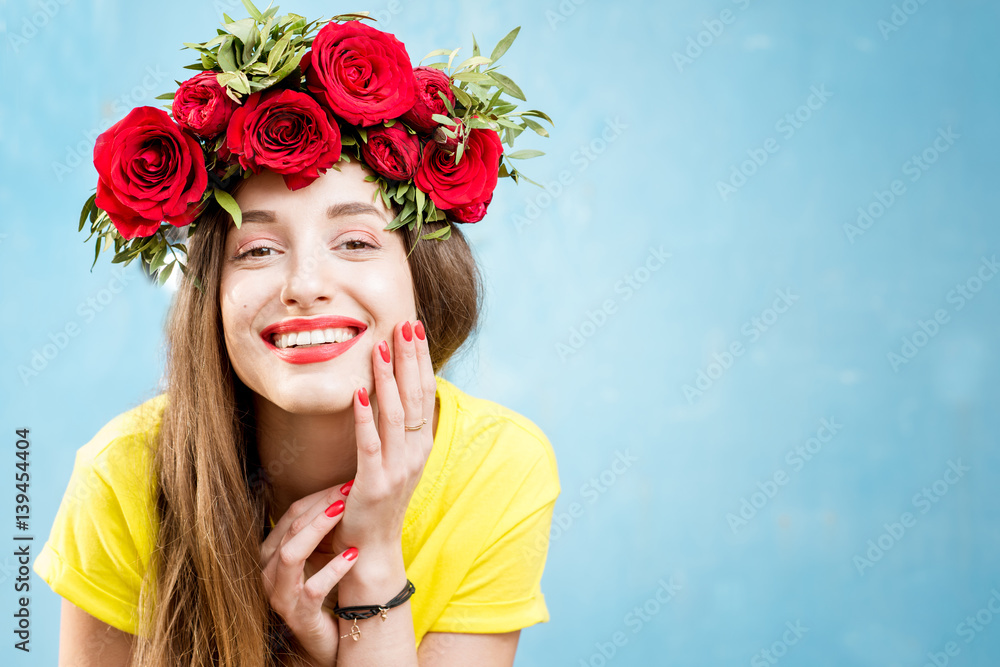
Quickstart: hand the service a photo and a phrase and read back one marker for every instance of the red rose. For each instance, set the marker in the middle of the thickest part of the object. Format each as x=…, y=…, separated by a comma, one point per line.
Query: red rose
x=470, y=213
x=471, y=181
x=392, y=152
x=149, y=170
x=362, y=74
x=287, y=132
x=202, y=105
x=430, y=81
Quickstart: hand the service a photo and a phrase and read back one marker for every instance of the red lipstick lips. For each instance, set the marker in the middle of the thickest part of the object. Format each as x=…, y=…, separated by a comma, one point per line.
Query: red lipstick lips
x=318, y=353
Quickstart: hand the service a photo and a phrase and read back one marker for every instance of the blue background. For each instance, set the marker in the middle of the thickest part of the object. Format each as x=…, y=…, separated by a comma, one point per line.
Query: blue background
x=654, y=476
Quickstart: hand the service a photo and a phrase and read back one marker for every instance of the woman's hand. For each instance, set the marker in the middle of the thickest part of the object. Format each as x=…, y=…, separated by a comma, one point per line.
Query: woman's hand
x=390, y=458
x=297, y=580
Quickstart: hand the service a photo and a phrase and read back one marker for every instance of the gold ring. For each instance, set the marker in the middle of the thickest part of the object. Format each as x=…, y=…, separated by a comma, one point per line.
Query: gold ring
x=417, y=427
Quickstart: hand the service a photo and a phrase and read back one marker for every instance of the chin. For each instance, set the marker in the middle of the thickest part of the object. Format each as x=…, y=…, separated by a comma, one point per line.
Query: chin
x=321, y=403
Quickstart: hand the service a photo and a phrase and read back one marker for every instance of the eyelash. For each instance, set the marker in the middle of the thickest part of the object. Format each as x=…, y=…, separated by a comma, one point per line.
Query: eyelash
x=263, y=245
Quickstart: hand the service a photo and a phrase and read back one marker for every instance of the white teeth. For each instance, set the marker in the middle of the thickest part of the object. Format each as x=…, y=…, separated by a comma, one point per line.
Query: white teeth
x=313, y=337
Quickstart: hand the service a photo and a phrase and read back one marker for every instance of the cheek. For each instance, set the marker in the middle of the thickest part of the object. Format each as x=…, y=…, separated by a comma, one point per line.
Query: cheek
x=236, y=303
x=392, y=294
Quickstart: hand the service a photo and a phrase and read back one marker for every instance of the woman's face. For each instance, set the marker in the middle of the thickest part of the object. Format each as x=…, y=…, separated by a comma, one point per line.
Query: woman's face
x=305, y=264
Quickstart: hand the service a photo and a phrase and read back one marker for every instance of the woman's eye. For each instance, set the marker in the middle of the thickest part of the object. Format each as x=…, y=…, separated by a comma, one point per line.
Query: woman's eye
x=254, y=252
x=357, y=244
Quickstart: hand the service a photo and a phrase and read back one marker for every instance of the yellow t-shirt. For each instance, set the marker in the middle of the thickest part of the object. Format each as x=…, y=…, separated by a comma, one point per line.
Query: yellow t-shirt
x=475, y=535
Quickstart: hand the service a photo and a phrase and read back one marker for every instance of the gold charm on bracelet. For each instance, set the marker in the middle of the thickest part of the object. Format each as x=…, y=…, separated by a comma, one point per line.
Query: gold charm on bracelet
x=355, y=632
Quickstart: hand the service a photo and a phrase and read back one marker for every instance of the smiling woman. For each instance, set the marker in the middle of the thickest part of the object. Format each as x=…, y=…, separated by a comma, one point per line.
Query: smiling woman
x=306, y=469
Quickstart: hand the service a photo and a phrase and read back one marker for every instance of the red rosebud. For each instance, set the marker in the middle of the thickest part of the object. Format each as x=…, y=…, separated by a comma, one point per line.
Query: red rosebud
x=149, y=171
x=362, y=74
x=202, y=106
x=470, y=213
x=287, y=132
x=430, y=81
x=449, y=144
x=392, y=152
x=471, y=181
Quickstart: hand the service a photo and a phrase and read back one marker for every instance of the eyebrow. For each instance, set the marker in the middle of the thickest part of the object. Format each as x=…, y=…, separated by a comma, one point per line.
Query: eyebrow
x=341, y=210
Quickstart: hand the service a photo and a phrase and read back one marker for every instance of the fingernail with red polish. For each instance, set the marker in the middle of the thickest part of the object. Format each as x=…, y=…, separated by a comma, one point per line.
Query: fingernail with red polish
x=351, y=554
x=363, y=396
x=384, y=349
x=346, y=488
x=407, y=332
x=419, y=329
x=336, y=508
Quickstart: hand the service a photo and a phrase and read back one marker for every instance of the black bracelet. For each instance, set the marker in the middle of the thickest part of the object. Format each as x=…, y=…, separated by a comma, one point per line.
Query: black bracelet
x=362, y=612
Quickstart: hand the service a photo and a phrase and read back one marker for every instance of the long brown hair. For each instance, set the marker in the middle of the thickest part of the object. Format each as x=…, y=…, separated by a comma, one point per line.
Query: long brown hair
x=203, y=600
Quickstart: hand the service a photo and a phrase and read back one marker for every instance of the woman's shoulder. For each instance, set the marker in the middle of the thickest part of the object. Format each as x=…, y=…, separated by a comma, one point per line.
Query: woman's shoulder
x=486, y=427
x=126, y=443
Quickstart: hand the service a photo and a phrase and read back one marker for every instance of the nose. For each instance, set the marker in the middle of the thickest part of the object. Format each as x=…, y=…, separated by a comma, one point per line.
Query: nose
x=306, y=283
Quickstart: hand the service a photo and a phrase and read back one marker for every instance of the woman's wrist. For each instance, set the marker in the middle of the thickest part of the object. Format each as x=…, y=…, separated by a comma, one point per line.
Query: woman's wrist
x=379, y=573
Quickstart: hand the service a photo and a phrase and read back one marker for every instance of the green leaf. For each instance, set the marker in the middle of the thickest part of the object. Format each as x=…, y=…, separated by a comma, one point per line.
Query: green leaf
x=227, y=202
x=97, y=252
x=236, y=80
x=85, y=213
x=161, y=278
x=215, y=41
x=461, y=96
x=475, y=45
x=474, y=77
x=197, y=47
x=536, y=114
x=421, y=198
x=285, y=70
x=276, y=53
x=165, y=96
x=158, y=258
x=436, y=52
x=520, y=175
x=508, y=86
x=254, y=12
x=541, y=131
x=454, y=53
x=252, y=48
x=227, y=55
x=504, y=44
x=242, y=29
x=447, y=103
x=524, y=155
x=474, y=61
x=442, y=234
x=266, y=16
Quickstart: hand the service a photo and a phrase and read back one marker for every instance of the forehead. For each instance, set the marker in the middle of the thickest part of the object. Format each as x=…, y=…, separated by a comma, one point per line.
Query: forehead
x=336, y=194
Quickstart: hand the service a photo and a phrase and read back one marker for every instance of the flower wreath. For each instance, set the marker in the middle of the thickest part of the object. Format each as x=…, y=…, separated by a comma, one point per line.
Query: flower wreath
x=270, y=94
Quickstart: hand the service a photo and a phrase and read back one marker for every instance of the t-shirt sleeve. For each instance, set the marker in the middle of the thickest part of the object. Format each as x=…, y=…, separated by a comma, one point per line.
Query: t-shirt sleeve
x=91, y=557
x=502, y=590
